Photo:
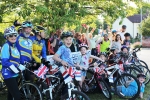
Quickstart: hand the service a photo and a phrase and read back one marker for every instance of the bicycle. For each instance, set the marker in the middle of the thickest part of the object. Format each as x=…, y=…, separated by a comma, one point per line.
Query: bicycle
x=28, y=90
x=54, y=85
x=120, y=80
x=96, y=80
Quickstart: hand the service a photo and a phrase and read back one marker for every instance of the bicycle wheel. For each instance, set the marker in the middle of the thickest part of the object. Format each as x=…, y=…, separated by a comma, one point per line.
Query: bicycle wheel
x=75, y=95
x=29, y=91
x=146, y=72
x=42, y=86
x=132, y=70
x=127, y=86
x=105, y=89
x=143, y=63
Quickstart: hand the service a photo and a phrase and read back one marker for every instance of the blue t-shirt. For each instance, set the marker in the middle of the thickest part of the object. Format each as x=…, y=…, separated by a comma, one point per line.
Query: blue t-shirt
x=142, y=88
x=65, y=54
x=131, y=89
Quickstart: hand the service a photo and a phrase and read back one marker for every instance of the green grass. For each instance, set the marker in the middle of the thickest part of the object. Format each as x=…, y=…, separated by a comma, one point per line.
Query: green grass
x=97, y=96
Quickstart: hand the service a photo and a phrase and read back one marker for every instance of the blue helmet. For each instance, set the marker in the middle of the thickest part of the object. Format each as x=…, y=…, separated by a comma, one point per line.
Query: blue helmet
x=27, y=24
x=114, y=31
x=124, y=46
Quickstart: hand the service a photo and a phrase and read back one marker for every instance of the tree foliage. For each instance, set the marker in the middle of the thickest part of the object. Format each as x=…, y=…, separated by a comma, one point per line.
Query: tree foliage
x=55, y=14
x=145, y=27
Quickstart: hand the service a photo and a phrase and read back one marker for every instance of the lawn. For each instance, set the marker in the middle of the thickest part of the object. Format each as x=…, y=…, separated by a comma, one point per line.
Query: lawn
x=96, y=96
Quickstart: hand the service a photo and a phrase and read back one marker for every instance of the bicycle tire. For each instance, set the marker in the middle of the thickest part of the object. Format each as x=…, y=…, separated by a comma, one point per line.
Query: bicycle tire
x=28, y=96
x=42, y=86
x=146, y=72
x=80, y=95
x=144, y=63
x=135, y=79
x=103, y=86
x=133, y=71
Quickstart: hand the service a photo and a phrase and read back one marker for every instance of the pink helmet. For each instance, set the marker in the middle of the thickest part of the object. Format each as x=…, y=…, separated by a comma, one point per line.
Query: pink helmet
x=83, y=45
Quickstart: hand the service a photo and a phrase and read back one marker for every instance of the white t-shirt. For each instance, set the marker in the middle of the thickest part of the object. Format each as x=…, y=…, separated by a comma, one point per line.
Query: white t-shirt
x=84, y=60
x=122, y=36
x=117, y=44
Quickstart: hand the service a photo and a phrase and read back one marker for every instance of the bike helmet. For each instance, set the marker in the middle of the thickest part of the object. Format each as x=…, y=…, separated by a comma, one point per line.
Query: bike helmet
x=114, y=48
x=114, y=31
x=124, y=46
x=19, y=29
x=105, y=35
x=27, y=24
x=38, y=29
x=66, y=34
x=103, y=53
x=127, y=34
x=83, y=45
x=10, y=30
x=141, y=75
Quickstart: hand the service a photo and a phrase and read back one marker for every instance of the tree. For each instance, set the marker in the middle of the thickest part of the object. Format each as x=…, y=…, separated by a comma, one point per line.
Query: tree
x=145, y=27
x=55, y=14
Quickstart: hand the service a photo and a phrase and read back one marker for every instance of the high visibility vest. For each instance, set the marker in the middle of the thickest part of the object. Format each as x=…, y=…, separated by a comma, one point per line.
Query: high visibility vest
x=104, y=45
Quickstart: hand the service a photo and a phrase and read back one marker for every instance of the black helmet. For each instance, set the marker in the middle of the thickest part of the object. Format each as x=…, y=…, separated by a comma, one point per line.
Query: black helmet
x=66, y=34
x=38, y=29
x=127, y=34
x=141, y=75
x=103, y=53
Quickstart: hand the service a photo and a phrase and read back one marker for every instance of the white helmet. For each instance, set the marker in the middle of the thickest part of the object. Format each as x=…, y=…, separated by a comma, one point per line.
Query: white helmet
x=10, y=30
x=83, y=45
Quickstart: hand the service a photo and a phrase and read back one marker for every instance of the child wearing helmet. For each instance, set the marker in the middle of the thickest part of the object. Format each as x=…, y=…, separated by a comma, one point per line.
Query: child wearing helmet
x=10, y=59
x=39, y=48
x=141, y=78
x=84, y=60
x=63, y=54
x=114, y=50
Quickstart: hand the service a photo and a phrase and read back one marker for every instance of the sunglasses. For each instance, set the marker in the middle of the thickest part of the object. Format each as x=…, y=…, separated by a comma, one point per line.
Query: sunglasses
x=11, y=35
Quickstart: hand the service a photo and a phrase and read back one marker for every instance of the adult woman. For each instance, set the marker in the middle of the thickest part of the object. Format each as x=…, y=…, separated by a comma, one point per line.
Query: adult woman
x=10, y=61
x=117, y=42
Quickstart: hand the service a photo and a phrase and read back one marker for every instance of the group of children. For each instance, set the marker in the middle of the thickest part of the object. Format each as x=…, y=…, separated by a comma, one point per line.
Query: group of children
x=63, y=55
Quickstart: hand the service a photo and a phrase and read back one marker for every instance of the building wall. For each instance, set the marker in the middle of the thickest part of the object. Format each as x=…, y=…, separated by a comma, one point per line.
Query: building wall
x=136, y=29
x=132, y=28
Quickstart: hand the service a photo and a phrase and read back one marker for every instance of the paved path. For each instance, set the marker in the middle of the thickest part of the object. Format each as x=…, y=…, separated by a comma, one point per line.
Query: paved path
x=144, y=55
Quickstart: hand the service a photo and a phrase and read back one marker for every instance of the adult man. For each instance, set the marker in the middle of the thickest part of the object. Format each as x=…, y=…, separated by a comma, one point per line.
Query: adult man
x=105, y=43
x=39, y=48
x=24, y=42
x=123, y=30
x=24, y=45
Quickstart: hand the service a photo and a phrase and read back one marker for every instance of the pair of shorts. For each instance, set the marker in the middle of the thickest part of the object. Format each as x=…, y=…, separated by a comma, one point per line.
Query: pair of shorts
x=83, y=73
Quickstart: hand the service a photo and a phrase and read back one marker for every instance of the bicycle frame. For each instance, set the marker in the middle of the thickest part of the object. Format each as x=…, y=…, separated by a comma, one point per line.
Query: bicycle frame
x=115, y=69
